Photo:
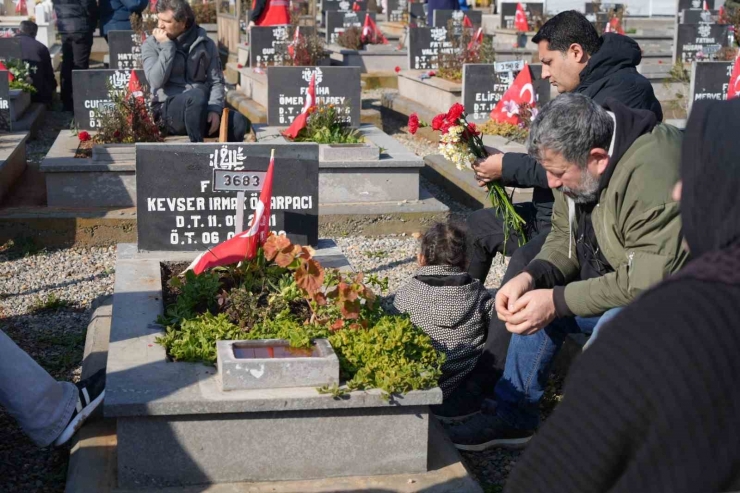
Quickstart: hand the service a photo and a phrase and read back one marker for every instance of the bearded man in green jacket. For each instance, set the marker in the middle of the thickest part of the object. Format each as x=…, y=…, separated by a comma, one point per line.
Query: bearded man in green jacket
x=616, y=232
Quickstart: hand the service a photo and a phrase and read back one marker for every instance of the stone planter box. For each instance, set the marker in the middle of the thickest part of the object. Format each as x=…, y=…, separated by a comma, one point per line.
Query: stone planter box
x=12, y=160
x=114, y=153
x=348, y=152
x=374, y=58
x=195, y=433
x=259, y=364
x=19, y=103
x=434, y=93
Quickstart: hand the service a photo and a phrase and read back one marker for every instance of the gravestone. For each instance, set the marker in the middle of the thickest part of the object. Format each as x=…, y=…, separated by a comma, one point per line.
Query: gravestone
x=484, y=84
x=10, y=49
x=425, y=45
x=699, y=16
x=441, y=18
x=287, y=88
x=187, y=195
x=397, y=10
x=417, y=14
x=710, y=80
x=694, y=4
x=9, y=31
x=4, y=102
x=343, y=5
x=699, y=41
x=338, y=22
x=95, y=88
x=125, y=51
x=266, y=45
x=508, y=13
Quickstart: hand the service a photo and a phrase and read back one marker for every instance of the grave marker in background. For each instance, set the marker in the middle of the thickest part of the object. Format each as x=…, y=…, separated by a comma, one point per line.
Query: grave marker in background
x=287, y=86
x=442, y=17
x=709, y=80
x=4, y=102
x=699, y=16
x=94, y=88
x=694, y=4
x=338, y=22
x=10, y=49
x=125, y=52
x=425, y=44
x=397, y=10
x=692, y=39
x=508, y=13
x=178, y=209
x=265, y=45
x=417, y=14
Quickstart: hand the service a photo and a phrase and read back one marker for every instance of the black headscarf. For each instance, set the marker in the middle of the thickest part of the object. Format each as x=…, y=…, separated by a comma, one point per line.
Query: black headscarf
x=710, y=200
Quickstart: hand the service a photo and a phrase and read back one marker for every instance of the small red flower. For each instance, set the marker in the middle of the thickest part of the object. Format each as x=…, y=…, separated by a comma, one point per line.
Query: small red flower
x=116, y=134
x=438, y=121
x=432, y=73
x=413, y=123
x=397, y=69
x=445, y=127
x=455, y=113
x=83, y=136
x=472, y=129
x=239, y=65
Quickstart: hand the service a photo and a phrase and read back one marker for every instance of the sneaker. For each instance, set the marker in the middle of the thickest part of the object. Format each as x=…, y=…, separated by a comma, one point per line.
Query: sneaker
x=485, y=431
x=90, y=395
x=464, y=402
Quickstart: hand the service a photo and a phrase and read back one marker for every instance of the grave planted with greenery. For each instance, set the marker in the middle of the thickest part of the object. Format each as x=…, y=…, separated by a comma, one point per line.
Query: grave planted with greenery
x=284, y=293
x=325, y=126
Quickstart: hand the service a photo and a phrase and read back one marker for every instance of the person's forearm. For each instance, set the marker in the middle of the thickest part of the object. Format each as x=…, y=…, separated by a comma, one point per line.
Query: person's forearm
x=522, y=171
x=158, y=66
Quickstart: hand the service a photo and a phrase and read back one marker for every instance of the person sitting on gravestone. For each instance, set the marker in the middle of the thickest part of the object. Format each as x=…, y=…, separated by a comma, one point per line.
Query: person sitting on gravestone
x=183, y=68
x=574, y=60
x=38, y=58
x=616, y=232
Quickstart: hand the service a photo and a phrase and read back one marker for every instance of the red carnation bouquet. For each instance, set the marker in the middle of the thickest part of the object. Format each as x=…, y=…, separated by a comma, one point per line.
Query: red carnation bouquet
x=461, y=143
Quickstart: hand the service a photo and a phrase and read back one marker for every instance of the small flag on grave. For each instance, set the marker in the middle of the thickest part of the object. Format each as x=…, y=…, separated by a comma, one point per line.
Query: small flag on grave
x=467, y=22
x=520, y=92
x=477, y=40
x=705, y=6
x=520, y=20
x=371, y=32
x=244, y=245
x=294, y=43
x=733, y=90
x=134, y=87
x=356, y=7
x=11, y=77
x=299, y=123
x=614, y=26
x=722, y=19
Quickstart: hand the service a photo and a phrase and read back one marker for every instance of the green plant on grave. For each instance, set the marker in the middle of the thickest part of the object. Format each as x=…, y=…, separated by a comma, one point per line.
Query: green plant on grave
x=351, y=38
x=205, y=13
x=450, y=63
x=126, y=120
x=309, y=50
x=325, y=126
x=517, y=133
x=21, y=75
x=144, y=23
x=678, y=81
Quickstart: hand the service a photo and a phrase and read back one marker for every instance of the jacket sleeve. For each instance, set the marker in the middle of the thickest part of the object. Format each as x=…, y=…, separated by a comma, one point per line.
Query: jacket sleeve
x=216, y=82
x=137, y=6
x=157, y=62
x=93, y=13
x=48, y=69
x=559, y=249
x=523, y=171
x=256, y=12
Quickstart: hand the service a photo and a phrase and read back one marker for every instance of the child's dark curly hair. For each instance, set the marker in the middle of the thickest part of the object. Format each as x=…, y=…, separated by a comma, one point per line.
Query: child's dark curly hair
x=445, y=244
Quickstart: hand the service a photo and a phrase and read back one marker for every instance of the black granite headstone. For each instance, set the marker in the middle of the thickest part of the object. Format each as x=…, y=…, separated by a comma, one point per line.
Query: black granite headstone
x=710, y=80
x=10, y=49
x=4, y=102
x=338, y=22
x=485, y=84
x=9, y=31
x=417, y=14
x=266, y=43
x=694, y=4
x=287, y=88
x=699, y=16
x=178, y=209
x=397, y=10
x=425, y=45
x=125, y=51
x=700, y=41
x=94, y=88
x=508, y=13
x=443, y=17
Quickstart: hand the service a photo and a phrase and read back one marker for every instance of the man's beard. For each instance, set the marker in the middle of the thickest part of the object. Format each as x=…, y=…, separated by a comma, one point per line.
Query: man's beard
x=587, y=191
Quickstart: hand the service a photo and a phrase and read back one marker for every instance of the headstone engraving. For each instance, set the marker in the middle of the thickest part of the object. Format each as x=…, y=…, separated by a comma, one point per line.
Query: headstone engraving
x=694, y=4
x=339, y=22
x=265, y=45
x=699, y=41
x=443, y=17
x=508, y=13
x=343, y=5
x=425, y=45
x=397, y=10
x=4, y=102
x=179, y=208
x=125, y=50
x=287, y=87
x=710, y=80
x=94, y=89
x=10, y=49
x=699, y=16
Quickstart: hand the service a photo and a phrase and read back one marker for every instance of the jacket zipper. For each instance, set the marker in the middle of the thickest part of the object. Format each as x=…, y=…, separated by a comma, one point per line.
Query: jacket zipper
x=630, y=258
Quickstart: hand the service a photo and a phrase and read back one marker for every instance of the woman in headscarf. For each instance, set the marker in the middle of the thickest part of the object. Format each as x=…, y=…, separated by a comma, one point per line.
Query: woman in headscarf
x=653, y=405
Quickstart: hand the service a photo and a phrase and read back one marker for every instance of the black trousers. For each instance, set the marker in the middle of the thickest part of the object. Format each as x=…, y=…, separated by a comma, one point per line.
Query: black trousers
x=187, y=114
x=76, y=49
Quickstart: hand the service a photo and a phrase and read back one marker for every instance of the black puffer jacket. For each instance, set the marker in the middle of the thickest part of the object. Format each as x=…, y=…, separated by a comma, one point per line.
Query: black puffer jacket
x=610, y=73
x=76, y=16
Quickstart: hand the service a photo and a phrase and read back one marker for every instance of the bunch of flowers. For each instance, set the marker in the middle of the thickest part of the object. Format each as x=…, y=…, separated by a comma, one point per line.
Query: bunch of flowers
x=461, y=143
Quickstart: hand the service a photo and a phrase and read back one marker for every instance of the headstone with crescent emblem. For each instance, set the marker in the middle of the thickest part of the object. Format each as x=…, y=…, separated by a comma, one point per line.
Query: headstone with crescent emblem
x=186, y=195
x=10, y=49
x=417, y=14
x=287, y=89
x=694, y=5
x=94, y=89
x=508, y=13
x=425, y=45
x=699, y=41
x=441, y=18
x=694, y=16
x=124, y=49
x=4, y=102
x=397, y=10
x=338, y=22
x=341, y=6
x=266, y=45
x=710, y=80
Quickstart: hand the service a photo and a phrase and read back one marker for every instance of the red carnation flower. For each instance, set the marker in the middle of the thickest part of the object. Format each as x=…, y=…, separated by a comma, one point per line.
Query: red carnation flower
x=455, y=113
x=83, y=136
x=397, y=69
x=413, y=123
x=432, y=73
x=445, y=127
x=116, y=134
x=239, y=65
x=472, y=129
x=438, y=121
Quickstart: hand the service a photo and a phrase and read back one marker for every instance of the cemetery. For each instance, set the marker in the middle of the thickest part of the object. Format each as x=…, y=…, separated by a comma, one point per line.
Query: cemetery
x=286, y=366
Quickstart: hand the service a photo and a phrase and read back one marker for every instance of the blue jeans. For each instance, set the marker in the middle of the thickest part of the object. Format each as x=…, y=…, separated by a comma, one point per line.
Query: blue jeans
x=528, y=362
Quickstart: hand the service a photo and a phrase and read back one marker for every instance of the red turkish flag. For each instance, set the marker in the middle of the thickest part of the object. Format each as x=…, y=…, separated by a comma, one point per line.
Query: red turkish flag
x=722, y=15
x=733, y=90
x=614, y=26
x=296, y=40
x=477, y=40
x=299, y=122
x=356, y=7
x=705, y=6
x=521, y=91
x=371, y=32
x=244, y=245
x=153, y=6
x=467, y=22
x=11, y=77
x=134, y=87
x=520, y=21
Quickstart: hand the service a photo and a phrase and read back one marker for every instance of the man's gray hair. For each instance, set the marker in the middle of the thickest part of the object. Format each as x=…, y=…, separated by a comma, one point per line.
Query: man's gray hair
x=572, y=125
x=181, y=10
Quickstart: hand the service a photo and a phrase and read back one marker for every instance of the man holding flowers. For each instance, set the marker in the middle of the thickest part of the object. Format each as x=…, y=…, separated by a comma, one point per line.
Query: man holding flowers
x=615, y=233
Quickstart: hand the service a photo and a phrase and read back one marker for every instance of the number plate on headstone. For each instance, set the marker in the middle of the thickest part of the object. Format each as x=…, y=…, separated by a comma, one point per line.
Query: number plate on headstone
x=237, y=181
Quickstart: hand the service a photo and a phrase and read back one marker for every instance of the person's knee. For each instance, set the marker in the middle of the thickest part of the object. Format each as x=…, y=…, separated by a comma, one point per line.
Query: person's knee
x=196, y=98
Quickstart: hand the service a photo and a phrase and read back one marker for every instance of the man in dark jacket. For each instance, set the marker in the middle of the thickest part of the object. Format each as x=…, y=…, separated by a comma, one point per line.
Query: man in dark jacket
x=38, y=58
x=76, y=21
x=574, y=59
x=115, y=14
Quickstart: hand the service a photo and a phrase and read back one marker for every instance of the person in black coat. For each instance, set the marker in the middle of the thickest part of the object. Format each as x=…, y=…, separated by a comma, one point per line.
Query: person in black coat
x=652, y=405
x=76, y=22
x=38, y=58
x=574, y=59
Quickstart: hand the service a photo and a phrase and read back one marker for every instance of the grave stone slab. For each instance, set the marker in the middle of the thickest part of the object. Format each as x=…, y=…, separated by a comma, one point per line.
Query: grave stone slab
x=95, y=88
x=342, y=5
x=338, y=22
x=484, y=85
x=266, y=45
x=508, y=13
x=10, y=49
x=287, y=86
x=692, y=39
x=699, y=16
x=125, y=51
x=709, y=80
x=425, y=45
x=4, y=102
x=397, y=10
x=417, y=14
x=694, y=5
x=178, y=209
x=443, y=17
